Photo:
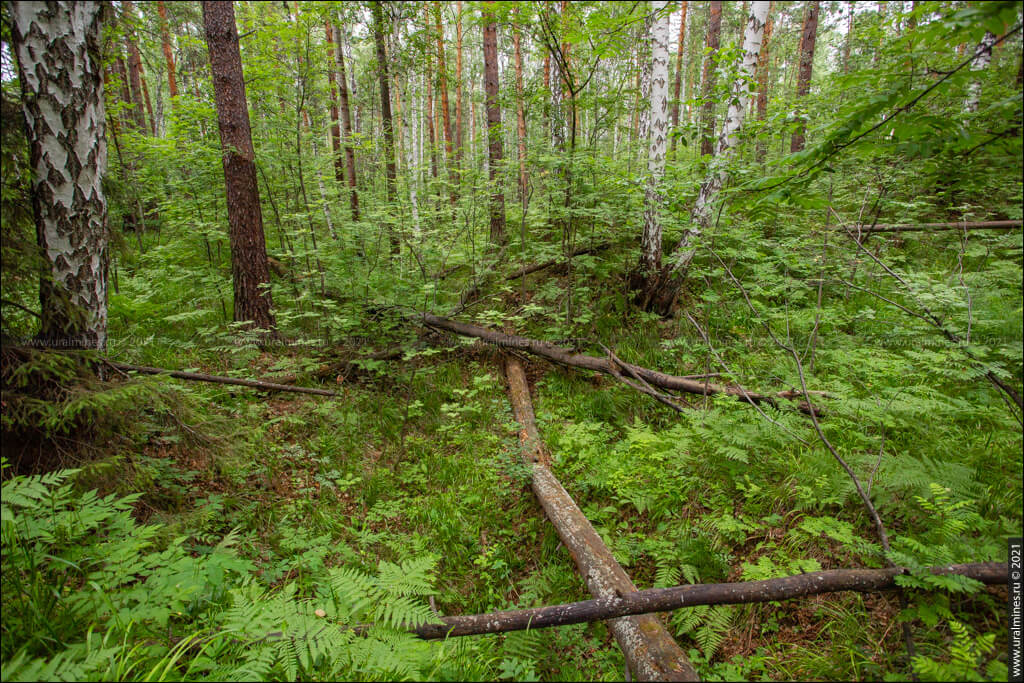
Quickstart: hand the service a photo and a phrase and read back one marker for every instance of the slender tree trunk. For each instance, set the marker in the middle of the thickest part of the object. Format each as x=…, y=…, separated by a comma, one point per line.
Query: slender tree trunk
x=385, y=108
x=848, y=42
x=707, y=112
x=727, y=141
x=249, y=269
x=803, y=84
x=61, y=79
x=520, y=114
x=762, y=83
x=332, y=79
x=458, y=80
x=165, y=43
x=982, y=57
x=431, y=130
x=346, y=127
x=646, y=73
x=134, y=71
x=650, y=244
x=683, y=5
x=494, y=131
x=442, y=72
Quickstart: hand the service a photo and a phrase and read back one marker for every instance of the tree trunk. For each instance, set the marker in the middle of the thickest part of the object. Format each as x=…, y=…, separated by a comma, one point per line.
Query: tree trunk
x=646, y=73
x=385, y=108
x=707, y=112
x=520, y=114
x=429, y=88
x=332, y=79
x=848, y=42
x=717, y=175
x=249, y=270
x=651, y=653
x=683, y=5
x=494, y=131
x=982, y=57
x=458, y=80
x=650, y=244
x=165, y=43
x=57, y=45
x=134, y=71
x=762, y=84
x=803, y=83
x=442, y=72
x=346, y=127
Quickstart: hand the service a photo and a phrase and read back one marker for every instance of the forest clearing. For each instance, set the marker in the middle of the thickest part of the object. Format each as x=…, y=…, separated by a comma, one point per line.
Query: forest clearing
x=476, y=340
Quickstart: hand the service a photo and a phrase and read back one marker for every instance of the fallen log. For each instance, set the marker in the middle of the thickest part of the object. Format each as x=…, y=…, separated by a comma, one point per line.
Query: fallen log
x=677, y=597
x=930, y=227
x=217, y=379
x=557, y=354
x=651, y=653
x=527, y=270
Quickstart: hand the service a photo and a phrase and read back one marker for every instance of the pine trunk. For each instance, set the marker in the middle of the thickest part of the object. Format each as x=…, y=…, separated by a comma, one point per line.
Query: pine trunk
x=346, y=127
x=809, y=35
x=494, y=131
x=442, y=72
x=676, y=103
x=62, y=96
x=707, y=112
x=762, y=84
x=520, y=114
x=458, y=80
x=165, y=44
x=249, y=269
x=332, y=79
x=134, y=72
x=385, y=109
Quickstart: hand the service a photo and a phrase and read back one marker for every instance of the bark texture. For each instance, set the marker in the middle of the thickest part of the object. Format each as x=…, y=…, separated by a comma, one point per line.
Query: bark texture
x=494, y=132
x=385, y=109
x=680, y=597
x=58, y=46
x=651, y=653
x=249, y=270
x=650, y=244
x=982, y=57
x=520, y=115
x=808, y=37
x=677, y=92
x=762, y=82
x=332, y=79
x=165, y=44
x=710, y=77
x=346, y=126
x=727, y=141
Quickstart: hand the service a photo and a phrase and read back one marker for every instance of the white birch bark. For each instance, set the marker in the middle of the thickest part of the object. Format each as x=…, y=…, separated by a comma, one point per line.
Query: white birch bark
x=57, y=44
x=657, y=116
x=982, y=57
x=646, y=73
x=742, y=90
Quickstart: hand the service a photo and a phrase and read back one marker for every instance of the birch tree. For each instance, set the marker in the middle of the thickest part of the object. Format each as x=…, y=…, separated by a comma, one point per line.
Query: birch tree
x=717, y=174
x=57, y=44
x=650, y=244
x=982, y=57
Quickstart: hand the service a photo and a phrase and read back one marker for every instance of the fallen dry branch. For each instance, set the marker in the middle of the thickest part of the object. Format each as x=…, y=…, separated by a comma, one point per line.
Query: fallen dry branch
x=651, y=653
x=935, y=227
x=557, y=354
x=666, y=599
x=217, y=379
x=528, y=270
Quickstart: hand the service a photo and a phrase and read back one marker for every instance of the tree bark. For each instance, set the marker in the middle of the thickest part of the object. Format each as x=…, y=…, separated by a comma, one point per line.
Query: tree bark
x=982, y=57
x=57, y=46
x=249, y=270
x=803, y=84
x=762, y=84
x=681, y=597
x=707, y=111
x=458, y=80
x=494, y=131
x=556, y=354
x=332, y=79
x=442, y=72
x=677, y=92
x=165, y=44
x=346, y=126
x=385, y=108
x=727, y=141
x=650, y=243
x=651, y=653
x=429, y=87
x=520, y=115
x=134, y=70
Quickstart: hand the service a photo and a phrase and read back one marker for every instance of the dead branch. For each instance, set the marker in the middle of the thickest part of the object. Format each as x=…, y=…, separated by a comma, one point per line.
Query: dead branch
x=217, y=379
x=557, y=354
x=651, y=653
x=527, y=270
x=937, y=227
